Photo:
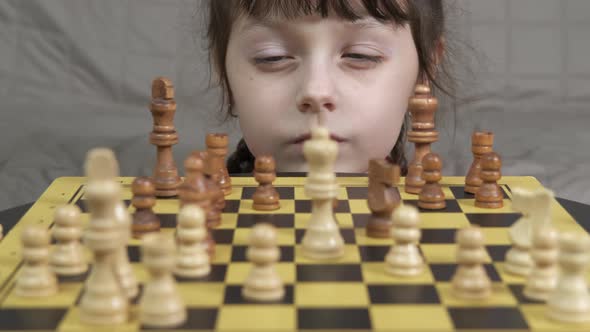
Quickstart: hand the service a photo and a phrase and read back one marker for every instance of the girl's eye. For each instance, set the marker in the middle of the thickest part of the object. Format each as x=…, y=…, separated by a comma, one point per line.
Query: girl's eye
x=363, y=57
x=270, y=59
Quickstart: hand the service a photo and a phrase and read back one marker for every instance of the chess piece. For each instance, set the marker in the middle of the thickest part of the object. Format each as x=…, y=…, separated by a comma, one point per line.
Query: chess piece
x=422, y=107
x=67, y=258
x=266, y=197
x=103, y=300
x=36, y=278
x=216, y=195
x=404, y=258
x=161, y=305
x=164, y=136
x=263, y=283
x=102, y=169
x=543, y=277
x=431, y=197
x=144, y=199
x=470, y=281
x=322, y=238
x=482, y=142
x=570, y=301
x=489, y=195
x=192, y=260
x=196, y=190
x=217, y=150
x=383, y=197
x=535, y=207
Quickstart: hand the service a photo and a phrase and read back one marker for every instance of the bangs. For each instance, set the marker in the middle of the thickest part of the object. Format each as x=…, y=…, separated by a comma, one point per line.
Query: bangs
x=351, y=10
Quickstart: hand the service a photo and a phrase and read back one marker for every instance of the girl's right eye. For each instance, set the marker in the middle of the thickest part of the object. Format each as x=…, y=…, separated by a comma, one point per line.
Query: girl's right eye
x=270, y=59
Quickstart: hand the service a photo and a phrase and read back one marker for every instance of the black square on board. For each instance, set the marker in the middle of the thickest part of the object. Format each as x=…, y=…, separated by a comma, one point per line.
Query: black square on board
x=197, y=319
x=492, y=219
x=167, y=220
x=31, y=318
x=223, y=236
x=373, y=253
x=508, y=318
x=233, y=295
x=329, y=272
x=445, y=272
x=347, y=234
x=357, y=192
x=333, y=318
x=498, y=252
x=438, y=236
x=134, y=253
x=284, y=192
x=82, y=204
x=231, y=206
x=459, y=192
x=278, y=220
x=217, y=274
x=401, y=294
x=304, y=206
x=451, y=206
x=360, y=220
x=239, y=253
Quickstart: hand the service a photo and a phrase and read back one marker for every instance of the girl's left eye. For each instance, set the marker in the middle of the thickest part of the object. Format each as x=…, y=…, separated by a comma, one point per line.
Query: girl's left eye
x=363, y=57
x=269, y=59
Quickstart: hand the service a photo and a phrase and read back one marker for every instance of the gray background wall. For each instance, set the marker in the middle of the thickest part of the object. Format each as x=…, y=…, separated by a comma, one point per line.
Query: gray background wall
x=75, y=74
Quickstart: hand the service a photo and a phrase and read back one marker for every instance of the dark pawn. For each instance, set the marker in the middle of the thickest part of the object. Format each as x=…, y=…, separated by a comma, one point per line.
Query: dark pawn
x=195, y=190
x=216, y=193
x=432, y=197
x=481, y=143
x=266, y=197
x=144, y=199
x=489, y=195
x=383, y=197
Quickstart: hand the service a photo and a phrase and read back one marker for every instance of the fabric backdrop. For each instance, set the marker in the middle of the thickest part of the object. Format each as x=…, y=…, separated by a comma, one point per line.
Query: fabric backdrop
x=76, y=74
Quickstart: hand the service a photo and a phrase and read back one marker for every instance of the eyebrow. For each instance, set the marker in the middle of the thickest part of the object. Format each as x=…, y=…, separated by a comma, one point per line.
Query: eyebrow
x=362, y=24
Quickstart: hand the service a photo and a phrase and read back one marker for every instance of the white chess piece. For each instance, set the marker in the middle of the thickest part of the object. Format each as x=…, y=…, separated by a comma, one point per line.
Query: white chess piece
x=543, y=277
x=36, y=278
x=192, y=260
x=570, y=301
x=404, y=258
x=68, y=258
x=470, y=281
x=322, y=239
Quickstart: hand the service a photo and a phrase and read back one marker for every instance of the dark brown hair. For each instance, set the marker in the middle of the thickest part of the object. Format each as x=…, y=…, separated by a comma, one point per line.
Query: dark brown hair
x=426, y=19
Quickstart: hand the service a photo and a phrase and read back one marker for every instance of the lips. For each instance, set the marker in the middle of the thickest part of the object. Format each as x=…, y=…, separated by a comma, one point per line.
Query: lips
x=305, y=137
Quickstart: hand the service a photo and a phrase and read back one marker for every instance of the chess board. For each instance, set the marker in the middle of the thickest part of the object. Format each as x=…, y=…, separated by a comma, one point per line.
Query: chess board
x=353, y=293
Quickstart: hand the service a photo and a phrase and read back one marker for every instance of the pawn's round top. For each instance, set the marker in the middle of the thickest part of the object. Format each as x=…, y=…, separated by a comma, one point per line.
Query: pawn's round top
x=406, y=216
x=67, y=215
x=491, y=162
x=546, y=238
x=470, y=237
x=143, y=186
x=264, y=163
x=157, y=244
x=432, y=162
x=35, y=236
x=574, y=242
x=191, y=215
x=194, y=163
x=263, y=235
x=216, y=140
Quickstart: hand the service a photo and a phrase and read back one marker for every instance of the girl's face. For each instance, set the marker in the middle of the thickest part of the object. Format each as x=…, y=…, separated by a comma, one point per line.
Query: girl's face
x=357, y=75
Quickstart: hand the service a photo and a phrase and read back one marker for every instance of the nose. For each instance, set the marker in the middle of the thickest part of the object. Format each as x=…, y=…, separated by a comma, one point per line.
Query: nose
x=316, y=93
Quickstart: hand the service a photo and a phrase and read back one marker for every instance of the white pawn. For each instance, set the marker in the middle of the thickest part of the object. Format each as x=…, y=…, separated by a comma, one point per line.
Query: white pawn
x=570, y=301
x=263, y=283
x=36, y=277
x=192, y=260
x=161, y=305
x=470, y=281
x=67, y=258
x=404, y=258
x=543, y=278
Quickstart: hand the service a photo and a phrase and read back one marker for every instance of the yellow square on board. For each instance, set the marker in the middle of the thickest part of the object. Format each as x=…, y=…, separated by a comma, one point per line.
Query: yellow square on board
x=222, y=254
x=239, y=271
x=443, y=253
x=536, y=317
x=344, y=220
x=374, y=273
x=228, y=221
x=506, y=277
x=236, y=193
x=358, y=206
x=66, y=296
x=410, y=318
x=166, y=206
x=285, y=236
x=71, y=323
x=351, y=255
x=437, y=220
x=287, y=206
x=201, y=294
x=333, y=294
x=363, y=239
x=257, y=318
x=501, y=297
x=495, y=235
x=468, y=206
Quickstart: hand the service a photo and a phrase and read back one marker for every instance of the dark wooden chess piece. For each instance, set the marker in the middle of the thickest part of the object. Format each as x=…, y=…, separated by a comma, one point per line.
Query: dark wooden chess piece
x=481, y=143
x=144, y=199
x=217, y=151
x=266, y=197
x=383, y=197
x=432, y=197
x=489, y=195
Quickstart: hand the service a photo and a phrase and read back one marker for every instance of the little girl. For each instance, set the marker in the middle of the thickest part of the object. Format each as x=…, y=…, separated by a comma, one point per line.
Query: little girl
x=356, y=62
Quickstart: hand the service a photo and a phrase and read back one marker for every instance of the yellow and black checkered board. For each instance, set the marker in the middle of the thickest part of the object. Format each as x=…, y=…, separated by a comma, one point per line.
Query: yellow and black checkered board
x=353, y=293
